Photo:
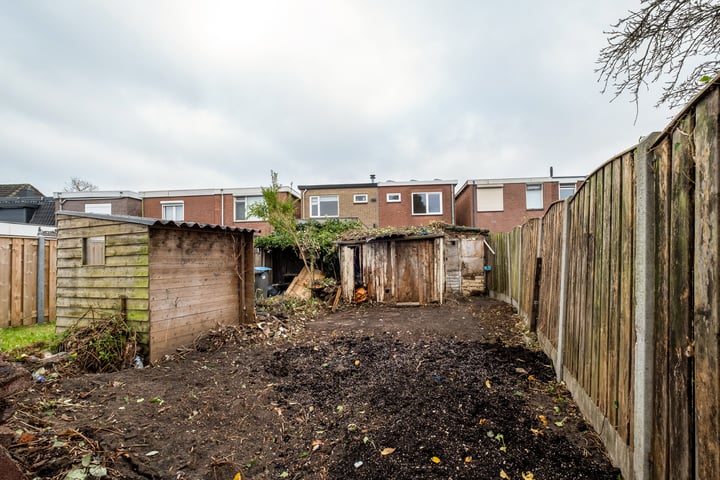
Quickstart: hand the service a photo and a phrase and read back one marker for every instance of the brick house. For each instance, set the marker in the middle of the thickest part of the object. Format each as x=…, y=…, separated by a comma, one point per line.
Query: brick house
x=382, y=204
x=416, y=202
x=347, y=201
x=498, y=205
x=104, y=202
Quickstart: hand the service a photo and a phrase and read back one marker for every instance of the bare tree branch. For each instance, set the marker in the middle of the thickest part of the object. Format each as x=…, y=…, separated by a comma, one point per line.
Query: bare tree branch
x=76, y=184
x=676, y=41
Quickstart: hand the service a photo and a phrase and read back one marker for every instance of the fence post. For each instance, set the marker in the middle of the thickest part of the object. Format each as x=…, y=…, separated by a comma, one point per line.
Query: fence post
x=41, y=280
x=563, y=292
x=644, y=307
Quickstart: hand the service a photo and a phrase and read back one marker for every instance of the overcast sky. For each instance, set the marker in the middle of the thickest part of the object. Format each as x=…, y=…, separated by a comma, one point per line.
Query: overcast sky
x=144, y=95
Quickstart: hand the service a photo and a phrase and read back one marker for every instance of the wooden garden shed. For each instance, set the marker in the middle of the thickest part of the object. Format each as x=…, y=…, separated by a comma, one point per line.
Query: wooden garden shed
x=465, y=260
x=173, y=281
x=394, y=268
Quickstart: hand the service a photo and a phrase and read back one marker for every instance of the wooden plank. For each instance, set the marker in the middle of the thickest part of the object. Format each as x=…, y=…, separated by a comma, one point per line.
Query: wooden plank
x=681, y=227
x=107, y=230
x=614, y=274
x=119, y=282
x=660, y=441
x=591, y=333
x=626, y=287
x=602, y=291
x=706, y=327
x=16, y=280
x=51, y=278
x=106, y=272
x=29, y=302
x=597, y=281
x=109, y=303
x=103, y=292
x=5, y=282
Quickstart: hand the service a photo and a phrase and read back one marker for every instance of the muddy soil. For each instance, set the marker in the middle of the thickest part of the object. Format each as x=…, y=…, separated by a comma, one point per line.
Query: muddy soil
x=456, y=391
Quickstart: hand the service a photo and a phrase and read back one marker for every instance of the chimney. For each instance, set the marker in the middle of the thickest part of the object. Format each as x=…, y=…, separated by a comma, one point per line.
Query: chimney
x=551, y=172
x=372, y=178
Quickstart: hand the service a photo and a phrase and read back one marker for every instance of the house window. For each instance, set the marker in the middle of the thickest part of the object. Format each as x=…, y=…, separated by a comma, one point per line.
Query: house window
x=94, y=251
x=360, y=198
x=104, y=208
x=490, y=199
x=392, y=197
x=427, y=203
x=242, y=208
x=566, y=190
x=173, y=211
x=533, y=196
x=324, y=206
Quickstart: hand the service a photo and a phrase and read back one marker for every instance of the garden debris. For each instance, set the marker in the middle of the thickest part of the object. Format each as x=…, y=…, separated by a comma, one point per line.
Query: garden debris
x=105, y=344
x=13, y=379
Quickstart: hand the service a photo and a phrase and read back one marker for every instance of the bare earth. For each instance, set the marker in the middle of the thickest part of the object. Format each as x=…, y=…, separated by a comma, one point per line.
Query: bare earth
x=453, y=391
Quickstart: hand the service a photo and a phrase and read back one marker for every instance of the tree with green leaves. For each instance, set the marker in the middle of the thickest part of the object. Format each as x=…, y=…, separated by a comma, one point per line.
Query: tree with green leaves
x=676, y=41
x=314, y=241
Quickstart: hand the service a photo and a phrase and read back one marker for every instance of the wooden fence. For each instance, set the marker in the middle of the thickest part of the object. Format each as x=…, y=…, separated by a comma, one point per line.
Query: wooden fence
x=621, y=283
x=19, y=280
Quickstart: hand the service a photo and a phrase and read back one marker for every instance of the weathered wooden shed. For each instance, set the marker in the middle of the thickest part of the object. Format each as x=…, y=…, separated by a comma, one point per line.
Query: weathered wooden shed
x=394, y=268
x=464, y=260
x=172, y=281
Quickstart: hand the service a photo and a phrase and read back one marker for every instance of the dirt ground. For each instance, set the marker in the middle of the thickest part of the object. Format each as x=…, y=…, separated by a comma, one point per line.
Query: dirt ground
x=453, y=391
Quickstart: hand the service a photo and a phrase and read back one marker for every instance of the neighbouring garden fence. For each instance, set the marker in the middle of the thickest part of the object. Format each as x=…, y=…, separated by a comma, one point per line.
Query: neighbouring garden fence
x=25, y=271
x=622, y=284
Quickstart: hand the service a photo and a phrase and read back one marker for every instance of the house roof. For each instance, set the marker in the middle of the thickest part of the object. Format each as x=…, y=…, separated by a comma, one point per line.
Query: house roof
x=498, y=182
x=156, y=222
x=19, y=190
x=45, y=214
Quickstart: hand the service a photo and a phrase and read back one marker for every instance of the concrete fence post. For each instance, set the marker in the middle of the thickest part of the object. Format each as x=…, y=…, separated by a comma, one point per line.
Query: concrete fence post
x=644, y=307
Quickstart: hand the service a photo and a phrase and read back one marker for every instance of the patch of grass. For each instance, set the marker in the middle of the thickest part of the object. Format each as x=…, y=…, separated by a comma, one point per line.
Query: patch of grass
x=13, y=338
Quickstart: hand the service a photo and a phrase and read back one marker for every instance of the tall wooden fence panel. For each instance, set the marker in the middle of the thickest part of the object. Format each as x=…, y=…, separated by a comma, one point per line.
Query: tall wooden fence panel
x=529, y=258
x=19, y=281
x=633, y=318
x=551, y=249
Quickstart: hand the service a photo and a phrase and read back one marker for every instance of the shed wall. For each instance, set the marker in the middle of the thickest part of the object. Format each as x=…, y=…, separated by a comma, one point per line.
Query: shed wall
x=94, y=291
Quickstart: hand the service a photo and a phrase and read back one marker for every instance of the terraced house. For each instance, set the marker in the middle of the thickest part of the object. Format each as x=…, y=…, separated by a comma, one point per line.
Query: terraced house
x=381, y=204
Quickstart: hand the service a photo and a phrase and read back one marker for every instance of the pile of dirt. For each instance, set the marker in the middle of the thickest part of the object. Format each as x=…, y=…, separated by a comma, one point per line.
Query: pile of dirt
x=452, y=391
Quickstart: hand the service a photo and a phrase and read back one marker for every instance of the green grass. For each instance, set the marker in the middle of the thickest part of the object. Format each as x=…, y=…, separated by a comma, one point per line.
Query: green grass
x=18, y=337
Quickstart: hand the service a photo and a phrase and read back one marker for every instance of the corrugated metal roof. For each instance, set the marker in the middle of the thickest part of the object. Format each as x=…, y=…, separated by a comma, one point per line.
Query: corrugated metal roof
x=156, y=222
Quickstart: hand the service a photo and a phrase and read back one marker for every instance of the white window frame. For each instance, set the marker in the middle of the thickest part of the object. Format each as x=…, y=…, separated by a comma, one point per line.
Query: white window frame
x=360, y=198
x=393, y=198
x=173, y=206
x=426, y=202
x=532, y=190
x=566, y=186
x=244, y=198
x=102, y=208
x=316, y=202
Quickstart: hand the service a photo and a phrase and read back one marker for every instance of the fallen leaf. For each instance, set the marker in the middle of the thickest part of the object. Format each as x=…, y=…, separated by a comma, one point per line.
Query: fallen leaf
x=531, y=377
x=152, y=453
x=527, y=476
x=504, y=475
x=468, y=459
x=357, y=362
x=487, y=383
x=435, y=459
x=483, y=421
x=536, y=431
x=238, y=476
x=387, y=451
x=561, y=422
x=543, y=419
x=521, y=370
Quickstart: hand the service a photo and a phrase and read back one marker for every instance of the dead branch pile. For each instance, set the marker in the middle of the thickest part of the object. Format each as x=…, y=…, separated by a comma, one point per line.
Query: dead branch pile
x=103, y=345
x=268, y=327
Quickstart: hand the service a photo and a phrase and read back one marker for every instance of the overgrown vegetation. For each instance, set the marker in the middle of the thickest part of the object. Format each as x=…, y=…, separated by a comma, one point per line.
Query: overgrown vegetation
x=104, y=345
x=312, y=240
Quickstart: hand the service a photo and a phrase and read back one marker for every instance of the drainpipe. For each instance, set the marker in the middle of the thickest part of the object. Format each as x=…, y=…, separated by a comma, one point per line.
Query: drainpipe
x=474, y=202
x=222, y=208
x=41, y=280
